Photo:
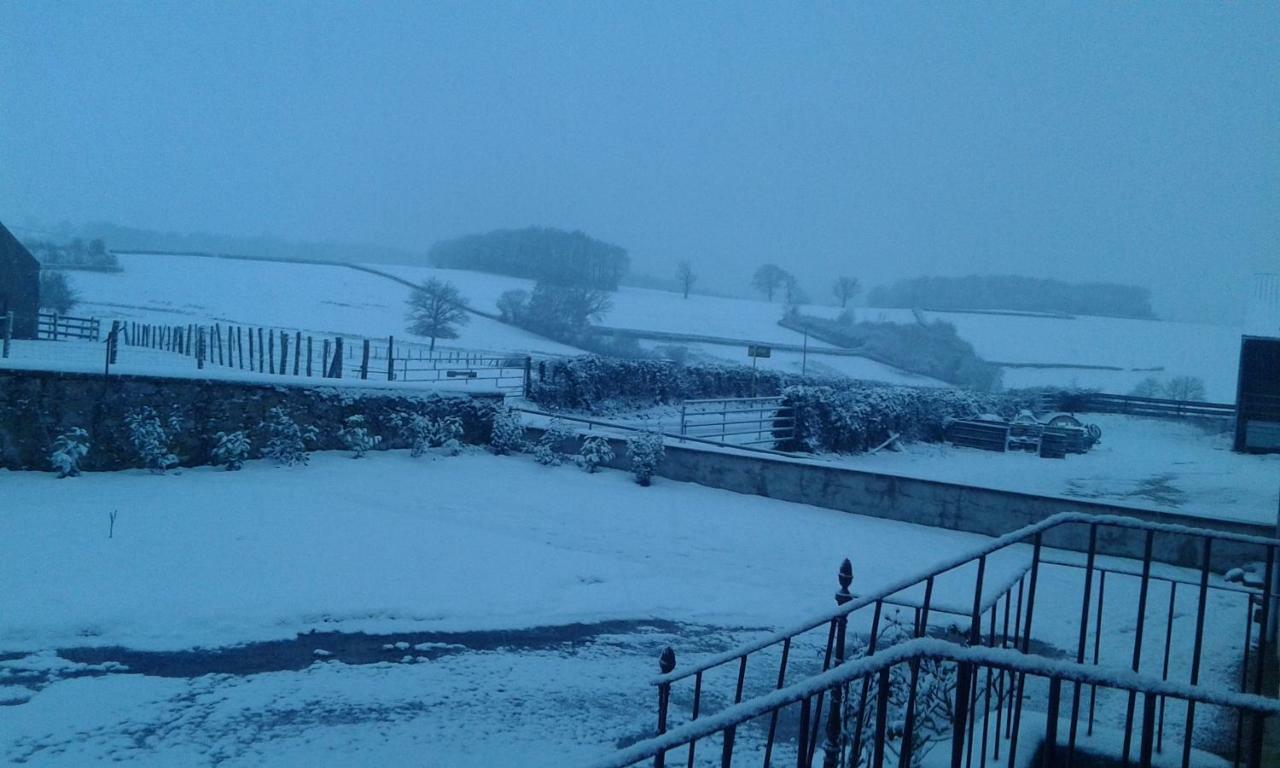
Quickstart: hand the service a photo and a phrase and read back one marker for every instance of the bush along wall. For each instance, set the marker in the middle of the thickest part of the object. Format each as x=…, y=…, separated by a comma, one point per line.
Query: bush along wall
x=37, y=407
x=852, y=417
x=597, y=384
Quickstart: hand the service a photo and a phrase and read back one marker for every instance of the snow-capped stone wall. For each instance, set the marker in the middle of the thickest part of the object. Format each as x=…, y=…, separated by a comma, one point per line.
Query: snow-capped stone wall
x=37, y=406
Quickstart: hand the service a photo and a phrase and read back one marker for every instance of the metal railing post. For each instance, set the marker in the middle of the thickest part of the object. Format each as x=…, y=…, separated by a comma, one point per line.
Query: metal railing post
x=835, y=725
x=666, y=663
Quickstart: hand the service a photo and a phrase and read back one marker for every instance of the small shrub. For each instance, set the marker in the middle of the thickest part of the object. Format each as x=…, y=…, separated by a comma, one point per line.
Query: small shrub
x=68, y=449
x=446, y=433
x=555, y=435
x=286, y=441
x=596, y=451
x=508, y=432
x=355, y=436
x=645, y=450
x=232, y=449
x=415, y=429
x=150, y=439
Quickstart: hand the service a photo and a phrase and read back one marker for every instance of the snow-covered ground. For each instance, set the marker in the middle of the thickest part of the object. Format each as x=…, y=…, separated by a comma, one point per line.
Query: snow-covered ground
x=330, y=299
x=1145, y=463
x=392, y=544
x=314, y=298
x=1209, y=352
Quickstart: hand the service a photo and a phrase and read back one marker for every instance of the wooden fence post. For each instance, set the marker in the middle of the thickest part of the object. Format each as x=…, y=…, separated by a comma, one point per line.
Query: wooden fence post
x=261, y=367
x=364, y=361
x=284, y=353
x=200, y=347
x=391, y=358
x=297, y=351
x=336, y=372
x=113, y=342
x=240, y=347
x=271, y=352
x=308, y=357
x=324, y=360
x=251, y=351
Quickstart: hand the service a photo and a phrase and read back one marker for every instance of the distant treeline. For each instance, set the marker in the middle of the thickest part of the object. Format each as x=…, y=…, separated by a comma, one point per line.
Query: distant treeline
x=1012, y=292
x=930, y=349
x=547, y=255
x=77, y=254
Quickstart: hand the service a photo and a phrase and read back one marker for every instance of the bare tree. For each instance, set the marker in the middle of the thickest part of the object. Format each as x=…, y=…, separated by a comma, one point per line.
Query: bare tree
x=435, y=310
x=768, y=279
x=685, y=277
x=56, y=293
x=845, y=288
x=792, y=294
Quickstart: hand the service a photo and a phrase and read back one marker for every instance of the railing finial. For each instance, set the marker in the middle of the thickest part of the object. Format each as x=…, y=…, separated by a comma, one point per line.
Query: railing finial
x=846, y=578
x=667, y=661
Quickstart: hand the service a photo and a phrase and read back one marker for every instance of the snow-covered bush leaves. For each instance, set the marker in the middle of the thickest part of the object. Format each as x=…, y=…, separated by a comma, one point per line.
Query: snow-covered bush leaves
x=286, y=441
x=232, y=449
x=856, y=417
x=355, y=436
x=151, y=438
x=547, y=449
x=645, y=450
x=508, y=432
x=68, y=449
x=596, y=451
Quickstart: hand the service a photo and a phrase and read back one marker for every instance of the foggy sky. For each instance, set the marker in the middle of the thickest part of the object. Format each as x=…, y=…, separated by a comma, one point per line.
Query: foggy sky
x=1125, y=142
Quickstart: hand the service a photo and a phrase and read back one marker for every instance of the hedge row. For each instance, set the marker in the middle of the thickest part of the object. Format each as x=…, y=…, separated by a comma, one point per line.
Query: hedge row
x=598, y=384
x=853, y=417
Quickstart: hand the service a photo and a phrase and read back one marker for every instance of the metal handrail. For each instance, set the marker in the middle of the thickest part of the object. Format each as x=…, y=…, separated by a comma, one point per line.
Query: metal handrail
x=949, y=564
x=917, y=649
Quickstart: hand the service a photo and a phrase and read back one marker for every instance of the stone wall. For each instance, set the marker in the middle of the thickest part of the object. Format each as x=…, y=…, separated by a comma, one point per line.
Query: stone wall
x=37, y=406
x=943, y=505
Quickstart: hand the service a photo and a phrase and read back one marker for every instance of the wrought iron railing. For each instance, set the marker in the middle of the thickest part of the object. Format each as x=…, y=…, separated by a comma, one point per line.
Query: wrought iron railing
x=886, y=724
x=1022, y=558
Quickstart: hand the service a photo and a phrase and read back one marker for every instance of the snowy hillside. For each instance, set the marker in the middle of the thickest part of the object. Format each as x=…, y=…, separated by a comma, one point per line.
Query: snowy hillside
x=1105, y=353
x=324, y=299
x=1210, y=352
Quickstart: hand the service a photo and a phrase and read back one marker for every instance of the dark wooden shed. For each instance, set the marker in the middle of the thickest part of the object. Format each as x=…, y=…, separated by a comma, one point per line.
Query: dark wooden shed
x=19, y=285
x=1258, y=395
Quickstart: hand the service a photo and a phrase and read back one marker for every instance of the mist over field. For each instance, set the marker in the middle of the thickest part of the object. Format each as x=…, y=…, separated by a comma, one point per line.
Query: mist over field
x=1084, y=143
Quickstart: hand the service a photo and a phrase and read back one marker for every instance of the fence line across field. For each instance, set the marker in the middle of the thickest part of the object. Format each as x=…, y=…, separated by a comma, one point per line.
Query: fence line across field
x=52, y=326
x=280, y=352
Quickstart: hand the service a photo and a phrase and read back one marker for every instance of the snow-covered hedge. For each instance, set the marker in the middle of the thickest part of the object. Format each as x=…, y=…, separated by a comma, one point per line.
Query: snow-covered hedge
x=854, y=417
x=594, y=383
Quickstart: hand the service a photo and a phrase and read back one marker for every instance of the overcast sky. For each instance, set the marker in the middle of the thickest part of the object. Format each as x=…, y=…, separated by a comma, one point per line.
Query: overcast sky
x=1128, y=142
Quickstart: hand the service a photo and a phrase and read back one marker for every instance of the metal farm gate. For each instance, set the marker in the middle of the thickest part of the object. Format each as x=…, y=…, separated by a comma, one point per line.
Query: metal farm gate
x=739, y=420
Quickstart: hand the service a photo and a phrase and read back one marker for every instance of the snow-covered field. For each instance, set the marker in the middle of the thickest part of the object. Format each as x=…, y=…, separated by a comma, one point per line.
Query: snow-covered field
x=1209, y=352
x=391, y=544
x=315, y=298
x=329, y=299
x=1143, y=463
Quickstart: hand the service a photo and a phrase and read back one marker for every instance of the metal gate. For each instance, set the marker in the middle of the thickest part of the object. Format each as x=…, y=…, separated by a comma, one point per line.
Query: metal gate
x=739, y=420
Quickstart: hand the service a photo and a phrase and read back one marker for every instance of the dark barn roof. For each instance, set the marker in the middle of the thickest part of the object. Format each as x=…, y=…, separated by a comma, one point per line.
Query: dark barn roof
x=19, y=284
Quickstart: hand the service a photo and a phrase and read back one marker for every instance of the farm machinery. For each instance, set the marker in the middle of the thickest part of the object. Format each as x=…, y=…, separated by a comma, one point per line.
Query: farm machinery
x=1052, y=436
